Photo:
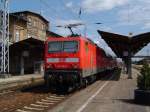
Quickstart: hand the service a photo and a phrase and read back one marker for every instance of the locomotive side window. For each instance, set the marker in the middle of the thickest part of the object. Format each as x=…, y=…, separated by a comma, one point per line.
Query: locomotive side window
x=70, y=46
x=54, y=46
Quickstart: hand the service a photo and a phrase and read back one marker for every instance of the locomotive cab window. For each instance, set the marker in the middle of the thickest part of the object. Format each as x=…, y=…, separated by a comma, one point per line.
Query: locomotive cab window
x=70, y=46
x=60, y=46
x=54, y=47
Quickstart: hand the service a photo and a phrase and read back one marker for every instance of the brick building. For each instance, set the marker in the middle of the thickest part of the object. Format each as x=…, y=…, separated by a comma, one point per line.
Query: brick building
x=27, y=24
x=28, y=31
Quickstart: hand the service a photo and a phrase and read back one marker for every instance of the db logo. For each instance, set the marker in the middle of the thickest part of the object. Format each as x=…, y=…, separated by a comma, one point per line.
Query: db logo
x=61, y=59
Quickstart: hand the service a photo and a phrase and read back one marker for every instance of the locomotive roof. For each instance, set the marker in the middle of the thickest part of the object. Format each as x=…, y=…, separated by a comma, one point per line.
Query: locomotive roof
x=85, y=38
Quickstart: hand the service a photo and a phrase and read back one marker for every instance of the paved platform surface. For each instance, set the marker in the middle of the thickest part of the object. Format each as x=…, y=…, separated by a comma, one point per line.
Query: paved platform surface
x=19, y=81
x=105, y=96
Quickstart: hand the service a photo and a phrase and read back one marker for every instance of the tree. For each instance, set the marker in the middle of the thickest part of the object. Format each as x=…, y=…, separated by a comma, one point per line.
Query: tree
x=143, y=80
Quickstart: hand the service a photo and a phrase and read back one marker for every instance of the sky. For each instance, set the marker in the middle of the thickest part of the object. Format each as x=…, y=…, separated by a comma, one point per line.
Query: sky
x=116, y=16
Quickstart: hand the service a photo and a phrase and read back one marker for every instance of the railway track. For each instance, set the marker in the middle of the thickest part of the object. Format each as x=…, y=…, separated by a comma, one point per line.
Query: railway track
x=43, y=104
x=37, y=99
x=4, y=92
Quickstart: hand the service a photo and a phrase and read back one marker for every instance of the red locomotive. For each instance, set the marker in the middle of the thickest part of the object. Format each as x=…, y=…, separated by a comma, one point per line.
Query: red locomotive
x=74, y=61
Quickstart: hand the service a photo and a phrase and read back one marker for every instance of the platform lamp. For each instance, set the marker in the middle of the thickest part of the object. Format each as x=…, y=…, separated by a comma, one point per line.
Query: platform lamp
x=130, y=34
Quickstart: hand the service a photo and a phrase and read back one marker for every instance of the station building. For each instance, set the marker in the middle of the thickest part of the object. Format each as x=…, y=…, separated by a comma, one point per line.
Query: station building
x=28, y=31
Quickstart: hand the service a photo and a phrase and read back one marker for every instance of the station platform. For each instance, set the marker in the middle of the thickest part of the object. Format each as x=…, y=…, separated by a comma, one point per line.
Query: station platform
x=105, y=96
x=22, y=81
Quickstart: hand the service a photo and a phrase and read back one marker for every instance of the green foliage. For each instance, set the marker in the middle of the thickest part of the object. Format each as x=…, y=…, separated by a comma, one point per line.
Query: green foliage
x=143, y=81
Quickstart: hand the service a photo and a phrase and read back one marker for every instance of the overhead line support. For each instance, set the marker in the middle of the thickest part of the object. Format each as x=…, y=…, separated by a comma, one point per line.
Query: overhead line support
x=4, y=38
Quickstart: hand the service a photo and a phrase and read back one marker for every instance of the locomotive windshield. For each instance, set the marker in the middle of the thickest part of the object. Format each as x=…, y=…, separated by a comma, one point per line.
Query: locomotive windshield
x=70, y=46
x=60, y=46
x=54, y=46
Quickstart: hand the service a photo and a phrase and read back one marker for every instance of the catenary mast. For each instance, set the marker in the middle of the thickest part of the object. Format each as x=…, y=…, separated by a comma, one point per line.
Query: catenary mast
x=4, y=37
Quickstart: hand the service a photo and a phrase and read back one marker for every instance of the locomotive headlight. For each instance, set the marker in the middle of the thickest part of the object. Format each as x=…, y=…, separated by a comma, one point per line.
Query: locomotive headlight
x=49, y=66
x=75, y=65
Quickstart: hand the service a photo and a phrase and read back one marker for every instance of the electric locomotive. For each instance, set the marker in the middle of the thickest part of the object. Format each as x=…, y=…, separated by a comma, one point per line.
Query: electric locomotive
x=74, y=61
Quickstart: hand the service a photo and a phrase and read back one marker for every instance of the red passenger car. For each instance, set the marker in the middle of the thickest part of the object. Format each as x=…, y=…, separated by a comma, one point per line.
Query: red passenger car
x=74, y=61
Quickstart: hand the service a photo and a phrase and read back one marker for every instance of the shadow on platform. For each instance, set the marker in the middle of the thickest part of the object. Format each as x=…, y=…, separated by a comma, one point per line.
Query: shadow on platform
x=131, y=101
x=105, y=75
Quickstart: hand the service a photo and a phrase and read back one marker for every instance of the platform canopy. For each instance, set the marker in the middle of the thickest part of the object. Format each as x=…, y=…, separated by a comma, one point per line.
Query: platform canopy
x=122, y=45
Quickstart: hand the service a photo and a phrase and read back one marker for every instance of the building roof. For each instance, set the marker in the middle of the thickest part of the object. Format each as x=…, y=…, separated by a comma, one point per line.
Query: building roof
x=27, y=44
x=11, y=16
x=30, y=12
x=121, y=44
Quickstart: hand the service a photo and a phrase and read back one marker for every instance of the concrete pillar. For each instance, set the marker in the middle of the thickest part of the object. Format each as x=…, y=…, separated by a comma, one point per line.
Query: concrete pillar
x=22, y=65
x=129, y=65
x=129, y=68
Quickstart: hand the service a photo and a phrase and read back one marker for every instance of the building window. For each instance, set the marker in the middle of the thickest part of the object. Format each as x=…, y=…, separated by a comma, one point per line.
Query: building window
x=43, y=27
x=29, y=21
x=34, y=23
x=21, y=15
x=17, y=36
x=28, y=35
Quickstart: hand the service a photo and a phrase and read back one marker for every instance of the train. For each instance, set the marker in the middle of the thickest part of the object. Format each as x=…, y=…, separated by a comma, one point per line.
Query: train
x=72, y=62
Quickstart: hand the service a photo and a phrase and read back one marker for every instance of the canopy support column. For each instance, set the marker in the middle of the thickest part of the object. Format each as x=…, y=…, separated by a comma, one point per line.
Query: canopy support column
x=129, y=64
x=129, y=68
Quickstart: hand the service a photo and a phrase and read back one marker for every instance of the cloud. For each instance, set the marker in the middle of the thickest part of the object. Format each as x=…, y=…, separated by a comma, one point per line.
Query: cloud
x=106, y=28
x=136, y=14
x=66, y=22
x=101, y=43
x=62, y=31
x=69, y=4
x=145, y=51
x=109, y=51
x=72, y=7
x=101, y=5
x=146, y=26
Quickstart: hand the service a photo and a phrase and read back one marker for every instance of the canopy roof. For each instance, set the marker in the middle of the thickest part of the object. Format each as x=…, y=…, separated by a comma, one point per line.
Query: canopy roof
x=121, y=44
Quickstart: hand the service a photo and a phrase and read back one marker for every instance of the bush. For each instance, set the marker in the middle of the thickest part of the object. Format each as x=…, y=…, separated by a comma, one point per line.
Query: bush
x=143, y=80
